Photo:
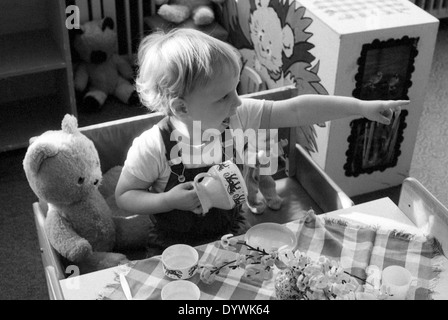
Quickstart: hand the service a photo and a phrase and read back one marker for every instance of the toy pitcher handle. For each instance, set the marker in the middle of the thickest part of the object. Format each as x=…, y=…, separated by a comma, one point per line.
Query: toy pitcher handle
x=200, y=191
x=200, y=176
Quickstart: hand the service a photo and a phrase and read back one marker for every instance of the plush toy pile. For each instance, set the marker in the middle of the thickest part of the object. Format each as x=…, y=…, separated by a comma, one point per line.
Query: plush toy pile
x=102, y=71
x=177, y=11
x=63, y=169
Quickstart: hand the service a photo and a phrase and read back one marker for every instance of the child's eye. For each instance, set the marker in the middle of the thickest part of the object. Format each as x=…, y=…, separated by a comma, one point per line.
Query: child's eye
x=225, y=97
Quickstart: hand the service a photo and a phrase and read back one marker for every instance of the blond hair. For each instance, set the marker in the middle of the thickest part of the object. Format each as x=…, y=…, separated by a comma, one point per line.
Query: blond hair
x=173, y=64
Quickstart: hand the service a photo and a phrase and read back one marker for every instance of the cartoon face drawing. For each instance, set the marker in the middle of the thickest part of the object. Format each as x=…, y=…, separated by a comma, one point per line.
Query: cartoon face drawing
x=280, y=50
x=272, y=38
x=269, y=39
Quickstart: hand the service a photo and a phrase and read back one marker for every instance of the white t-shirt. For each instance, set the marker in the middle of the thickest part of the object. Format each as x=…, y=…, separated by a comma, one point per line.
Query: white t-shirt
x=146, y=159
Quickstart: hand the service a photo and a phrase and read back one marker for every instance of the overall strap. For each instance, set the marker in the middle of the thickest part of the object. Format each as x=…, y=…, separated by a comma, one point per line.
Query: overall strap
x=226, y=144
x=180, y=226
x=166, y=128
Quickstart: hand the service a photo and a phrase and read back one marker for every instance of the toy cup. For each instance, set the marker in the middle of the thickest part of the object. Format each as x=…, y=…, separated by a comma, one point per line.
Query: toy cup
x=221, y=187
x=398, y=281
x=180, y=290
x=180, y=261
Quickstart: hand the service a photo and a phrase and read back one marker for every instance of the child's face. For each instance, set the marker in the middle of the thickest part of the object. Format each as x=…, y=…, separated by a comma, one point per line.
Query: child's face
x=216, y=102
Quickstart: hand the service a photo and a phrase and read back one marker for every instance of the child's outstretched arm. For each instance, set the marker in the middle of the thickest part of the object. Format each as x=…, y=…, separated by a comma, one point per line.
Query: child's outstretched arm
x=133, y=196
x=311, y=109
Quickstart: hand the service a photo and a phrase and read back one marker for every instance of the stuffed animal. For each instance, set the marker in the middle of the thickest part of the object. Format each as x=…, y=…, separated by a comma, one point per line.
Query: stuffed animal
x=177, y=11
x=263, y=181
x=63, y=169
x=102, y=71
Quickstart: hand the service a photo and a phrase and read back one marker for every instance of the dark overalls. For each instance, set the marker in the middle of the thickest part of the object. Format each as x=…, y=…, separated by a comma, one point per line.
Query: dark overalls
x=179, y=226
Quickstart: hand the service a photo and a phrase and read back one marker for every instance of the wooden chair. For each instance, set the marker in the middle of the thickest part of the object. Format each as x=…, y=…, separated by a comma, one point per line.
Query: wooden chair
x=305, y=186
x=424, y=210
x=53, y=267
x=250, y=81
x=112, y=140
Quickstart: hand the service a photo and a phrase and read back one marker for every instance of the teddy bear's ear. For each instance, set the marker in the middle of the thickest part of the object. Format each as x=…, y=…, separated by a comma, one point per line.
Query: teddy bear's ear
x=283, y=142
x=37, y=153
x=69, y=124
x=108, y=23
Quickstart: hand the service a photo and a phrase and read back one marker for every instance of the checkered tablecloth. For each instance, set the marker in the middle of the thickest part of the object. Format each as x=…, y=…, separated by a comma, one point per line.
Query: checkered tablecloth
x=356, y=247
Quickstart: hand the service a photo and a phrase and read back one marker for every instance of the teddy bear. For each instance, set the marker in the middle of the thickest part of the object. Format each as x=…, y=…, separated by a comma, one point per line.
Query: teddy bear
x=102, y=72
x=63, y=169
x=177, y=11
x=258, y=177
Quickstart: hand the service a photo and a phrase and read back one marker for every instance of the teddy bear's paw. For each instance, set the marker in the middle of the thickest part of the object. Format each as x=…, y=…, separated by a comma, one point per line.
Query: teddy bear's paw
x=90, y=104
x=275, y=203
x=111, y=259
x=256, y=207
x=203, y=16
x=101, y=260
x=174, y=13
x=77, y=252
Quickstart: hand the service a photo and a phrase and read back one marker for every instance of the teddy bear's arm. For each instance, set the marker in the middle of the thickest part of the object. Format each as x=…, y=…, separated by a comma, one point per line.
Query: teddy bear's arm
x=81, y=77
x=123, y=67
x=65, y=240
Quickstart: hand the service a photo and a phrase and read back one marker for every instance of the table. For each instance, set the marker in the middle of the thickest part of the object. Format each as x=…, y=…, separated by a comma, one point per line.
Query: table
x=382, y=212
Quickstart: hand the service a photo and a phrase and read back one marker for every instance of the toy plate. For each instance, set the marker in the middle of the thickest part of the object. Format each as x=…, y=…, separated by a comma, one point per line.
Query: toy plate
x=271, y=237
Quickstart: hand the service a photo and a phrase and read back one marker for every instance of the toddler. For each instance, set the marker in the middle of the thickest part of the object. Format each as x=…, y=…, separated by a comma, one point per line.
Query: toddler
x=192, y=78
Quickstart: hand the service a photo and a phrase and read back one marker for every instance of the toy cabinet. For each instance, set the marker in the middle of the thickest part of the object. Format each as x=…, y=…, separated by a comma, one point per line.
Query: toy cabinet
x=36, y=77
x=372, y=51
x=369, y=49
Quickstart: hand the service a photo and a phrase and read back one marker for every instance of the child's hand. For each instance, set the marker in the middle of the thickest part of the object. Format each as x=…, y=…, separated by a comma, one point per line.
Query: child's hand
x=381, y=111
x=184, y=197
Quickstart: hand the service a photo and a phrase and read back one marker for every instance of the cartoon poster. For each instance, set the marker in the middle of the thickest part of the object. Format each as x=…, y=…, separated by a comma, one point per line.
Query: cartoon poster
x=272, y=37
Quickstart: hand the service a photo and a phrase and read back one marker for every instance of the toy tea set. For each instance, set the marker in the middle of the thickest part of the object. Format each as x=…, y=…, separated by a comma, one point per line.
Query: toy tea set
x=221, y=187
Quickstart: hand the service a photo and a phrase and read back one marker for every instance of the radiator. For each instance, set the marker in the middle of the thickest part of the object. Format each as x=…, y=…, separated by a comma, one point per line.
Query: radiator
x=438, y=8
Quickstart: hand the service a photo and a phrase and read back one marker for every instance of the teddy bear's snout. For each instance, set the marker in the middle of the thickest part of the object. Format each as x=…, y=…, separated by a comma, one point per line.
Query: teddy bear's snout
x=98, y=57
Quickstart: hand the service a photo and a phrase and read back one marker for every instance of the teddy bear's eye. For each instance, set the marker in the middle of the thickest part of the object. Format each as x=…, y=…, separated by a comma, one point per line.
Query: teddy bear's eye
x=81, y=180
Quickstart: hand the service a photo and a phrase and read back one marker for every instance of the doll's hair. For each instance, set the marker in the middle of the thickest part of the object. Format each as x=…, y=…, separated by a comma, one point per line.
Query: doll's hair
x=173, y=64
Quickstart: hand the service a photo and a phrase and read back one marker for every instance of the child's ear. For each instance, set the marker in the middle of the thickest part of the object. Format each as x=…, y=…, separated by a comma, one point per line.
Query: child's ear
x=179, y=107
